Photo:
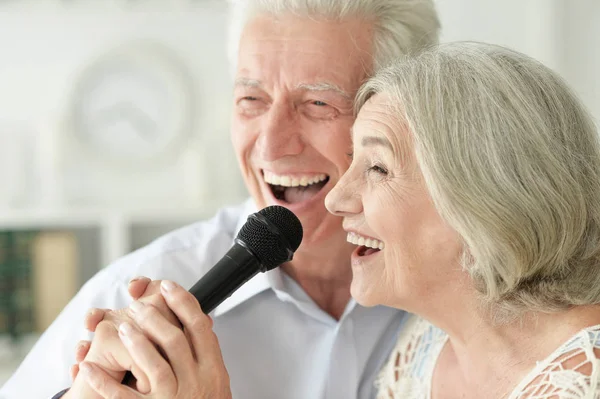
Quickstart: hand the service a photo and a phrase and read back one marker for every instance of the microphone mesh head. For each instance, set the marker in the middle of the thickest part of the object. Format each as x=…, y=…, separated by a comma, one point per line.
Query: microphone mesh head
x=272, y=234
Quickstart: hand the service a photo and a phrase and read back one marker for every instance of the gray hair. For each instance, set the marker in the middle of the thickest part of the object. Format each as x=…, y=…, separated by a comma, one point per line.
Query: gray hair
x=400, y=26
x=511, y=159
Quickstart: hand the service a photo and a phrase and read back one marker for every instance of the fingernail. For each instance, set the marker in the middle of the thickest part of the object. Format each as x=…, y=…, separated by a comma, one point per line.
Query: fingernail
x=136, y=306
x=136, y=279
x=167, y=285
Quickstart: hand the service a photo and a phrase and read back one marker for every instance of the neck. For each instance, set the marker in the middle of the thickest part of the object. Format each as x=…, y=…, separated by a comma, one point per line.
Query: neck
x=482, y=350
x=325, y=275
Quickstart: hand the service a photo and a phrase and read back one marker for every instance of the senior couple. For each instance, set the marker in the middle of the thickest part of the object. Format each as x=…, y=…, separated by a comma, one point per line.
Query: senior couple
x=450, y=201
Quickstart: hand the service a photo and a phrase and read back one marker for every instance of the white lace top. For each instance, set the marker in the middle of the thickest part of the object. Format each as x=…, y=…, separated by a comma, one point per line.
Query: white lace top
x=571, y=372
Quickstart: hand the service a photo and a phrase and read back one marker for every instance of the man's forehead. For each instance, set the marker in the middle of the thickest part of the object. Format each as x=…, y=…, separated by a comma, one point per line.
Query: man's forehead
x=309, y=52
x=314, y=70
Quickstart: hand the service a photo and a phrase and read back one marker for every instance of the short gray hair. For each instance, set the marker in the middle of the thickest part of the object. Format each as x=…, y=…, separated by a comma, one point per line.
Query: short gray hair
x=512, y=161
x=400, y=26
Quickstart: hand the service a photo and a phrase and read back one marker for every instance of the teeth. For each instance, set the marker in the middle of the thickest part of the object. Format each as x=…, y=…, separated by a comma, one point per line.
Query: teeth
x=293, y=181
x=356, y=239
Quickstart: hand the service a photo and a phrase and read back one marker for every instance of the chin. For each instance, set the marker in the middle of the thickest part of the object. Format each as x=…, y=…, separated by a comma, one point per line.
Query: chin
x=365, y=296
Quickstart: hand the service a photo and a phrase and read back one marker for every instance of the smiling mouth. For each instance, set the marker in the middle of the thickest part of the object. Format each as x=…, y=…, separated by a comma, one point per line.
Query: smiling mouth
x=295, y=189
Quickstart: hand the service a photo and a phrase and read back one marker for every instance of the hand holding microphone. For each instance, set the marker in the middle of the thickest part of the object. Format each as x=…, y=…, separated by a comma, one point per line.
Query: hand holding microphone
x=267, y=240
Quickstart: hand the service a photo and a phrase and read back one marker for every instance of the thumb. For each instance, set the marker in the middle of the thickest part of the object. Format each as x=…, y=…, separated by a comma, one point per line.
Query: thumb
x=137, y=286
x=104, y=384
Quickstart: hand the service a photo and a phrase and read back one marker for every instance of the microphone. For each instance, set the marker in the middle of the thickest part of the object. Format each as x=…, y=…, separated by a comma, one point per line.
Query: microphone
x=267, y=239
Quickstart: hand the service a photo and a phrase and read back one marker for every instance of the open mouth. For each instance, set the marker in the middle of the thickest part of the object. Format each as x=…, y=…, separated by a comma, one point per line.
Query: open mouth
x=366, y=245
x=366, y=251
x=295, y=189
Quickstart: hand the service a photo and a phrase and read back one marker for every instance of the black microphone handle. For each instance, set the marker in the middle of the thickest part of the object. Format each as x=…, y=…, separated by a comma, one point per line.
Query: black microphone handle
x=236, y=267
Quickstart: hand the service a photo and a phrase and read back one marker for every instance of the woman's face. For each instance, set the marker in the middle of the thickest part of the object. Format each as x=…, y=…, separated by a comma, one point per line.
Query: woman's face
x=386, y=205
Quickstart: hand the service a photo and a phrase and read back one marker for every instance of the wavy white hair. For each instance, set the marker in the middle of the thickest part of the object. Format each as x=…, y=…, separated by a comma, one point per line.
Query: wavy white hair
x=400, y=26
x=512, y=161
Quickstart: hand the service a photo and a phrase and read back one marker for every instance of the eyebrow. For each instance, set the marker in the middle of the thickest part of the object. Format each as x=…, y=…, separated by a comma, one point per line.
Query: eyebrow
x=324, y=86
x=375, y=140
x=245, y=82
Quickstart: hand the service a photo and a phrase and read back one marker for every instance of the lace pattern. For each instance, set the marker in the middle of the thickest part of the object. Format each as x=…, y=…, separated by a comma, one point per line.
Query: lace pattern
x=408, y=372
x=571, y=372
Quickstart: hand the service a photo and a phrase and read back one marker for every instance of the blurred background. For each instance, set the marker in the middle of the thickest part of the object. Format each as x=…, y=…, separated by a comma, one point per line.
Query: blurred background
x=114, y=119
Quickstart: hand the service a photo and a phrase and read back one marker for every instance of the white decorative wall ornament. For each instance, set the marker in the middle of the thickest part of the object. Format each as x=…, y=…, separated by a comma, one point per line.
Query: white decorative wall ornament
x=133, y=107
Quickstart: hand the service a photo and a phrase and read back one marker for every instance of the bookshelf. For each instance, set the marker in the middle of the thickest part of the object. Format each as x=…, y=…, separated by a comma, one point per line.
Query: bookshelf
x=116, y=228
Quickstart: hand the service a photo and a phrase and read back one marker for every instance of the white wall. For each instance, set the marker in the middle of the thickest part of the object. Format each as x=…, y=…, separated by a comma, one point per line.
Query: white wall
x=581, y=50
x=45, y=46
x=563, y=34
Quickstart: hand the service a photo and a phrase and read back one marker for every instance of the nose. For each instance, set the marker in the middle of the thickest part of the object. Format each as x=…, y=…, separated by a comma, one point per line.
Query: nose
x=281, y=133
x=345, y=198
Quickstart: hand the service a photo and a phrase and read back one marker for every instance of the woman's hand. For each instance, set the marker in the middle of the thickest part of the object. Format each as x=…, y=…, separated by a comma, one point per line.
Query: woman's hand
x=138, y=287
x=81, y=351
x=187, y=363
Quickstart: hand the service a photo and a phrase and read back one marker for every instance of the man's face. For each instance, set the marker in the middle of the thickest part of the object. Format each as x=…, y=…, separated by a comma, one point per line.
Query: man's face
x=295, y=83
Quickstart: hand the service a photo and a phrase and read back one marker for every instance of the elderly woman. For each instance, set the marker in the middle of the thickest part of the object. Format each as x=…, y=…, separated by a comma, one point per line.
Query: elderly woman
x=474, y=199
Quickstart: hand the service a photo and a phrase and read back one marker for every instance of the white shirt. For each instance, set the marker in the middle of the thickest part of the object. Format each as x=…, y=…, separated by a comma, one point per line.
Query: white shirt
x=275, y=341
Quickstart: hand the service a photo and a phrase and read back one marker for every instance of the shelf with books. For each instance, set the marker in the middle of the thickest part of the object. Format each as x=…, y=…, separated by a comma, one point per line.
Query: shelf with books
x=116, y=228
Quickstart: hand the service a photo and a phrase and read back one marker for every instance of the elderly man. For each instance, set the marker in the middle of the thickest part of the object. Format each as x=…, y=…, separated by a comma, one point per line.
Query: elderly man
x=294, y=332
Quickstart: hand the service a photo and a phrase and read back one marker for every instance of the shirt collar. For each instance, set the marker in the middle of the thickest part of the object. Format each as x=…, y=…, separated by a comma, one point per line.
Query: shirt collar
x=276, y=280
x=257, y=284
x=285, y=289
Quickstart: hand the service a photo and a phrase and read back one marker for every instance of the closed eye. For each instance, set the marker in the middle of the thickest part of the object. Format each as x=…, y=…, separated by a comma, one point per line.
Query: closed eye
x=250, y=106
x=378, y=169
x=320, y=110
